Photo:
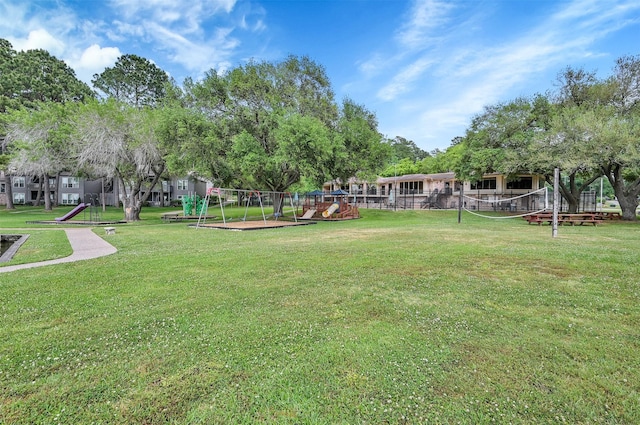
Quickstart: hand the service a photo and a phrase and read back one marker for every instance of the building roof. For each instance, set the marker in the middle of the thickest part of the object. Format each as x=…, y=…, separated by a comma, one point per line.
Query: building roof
x=418, y=177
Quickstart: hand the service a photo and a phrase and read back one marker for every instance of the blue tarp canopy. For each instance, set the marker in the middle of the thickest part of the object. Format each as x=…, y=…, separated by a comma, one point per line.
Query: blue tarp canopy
x=339, y=192
x=315, y=193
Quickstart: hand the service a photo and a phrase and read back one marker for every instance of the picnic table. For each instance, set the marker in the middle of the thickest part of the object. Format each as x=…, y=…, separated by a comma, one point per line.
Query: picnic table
x=565, y=218
x=609, y=215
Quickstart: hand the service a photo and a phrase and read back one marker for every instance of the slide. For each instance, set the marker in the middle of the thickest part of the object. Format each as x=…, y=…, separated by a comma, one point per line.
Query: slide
x=327, y=213
x=73, y=212
x=308, y=215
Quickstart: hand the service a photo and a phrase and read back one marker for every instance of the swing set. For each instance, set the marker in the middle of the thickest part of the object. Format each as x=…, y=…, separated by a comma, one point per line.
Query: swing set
x=226, y=197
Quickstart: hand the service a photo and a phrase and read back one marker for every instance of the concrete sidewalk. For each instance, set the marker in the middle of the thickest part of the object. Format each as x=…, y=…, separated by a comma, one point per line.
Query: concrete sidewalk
x=85, y=244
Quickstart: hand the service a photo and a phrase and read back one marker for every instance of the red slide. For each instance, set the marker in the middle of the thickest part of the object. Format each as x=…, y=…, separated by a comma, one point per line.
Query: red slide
x=73, y=212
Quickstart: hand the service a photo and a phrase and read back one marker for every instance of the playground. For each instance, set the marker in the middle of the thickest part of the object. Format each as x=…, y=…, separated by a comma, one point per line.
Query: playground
x=88, y=212
x=236, y=209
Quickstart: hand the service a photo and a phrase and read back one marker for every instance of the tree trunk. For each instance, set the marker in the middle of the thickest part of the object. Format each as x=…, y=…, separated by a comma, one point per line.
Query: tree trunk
x=47, y=194
x=627, y=194
x=628, y=205
x=278, y=201
x=573, y=191
x=132, y=207
x=161, y=196
x=9, y=191
x=57, y=190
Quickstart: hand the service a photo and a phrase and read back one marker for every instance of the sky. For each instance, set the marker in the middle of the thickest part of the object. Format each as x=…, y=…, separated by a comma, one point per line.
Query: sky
x=424, y=67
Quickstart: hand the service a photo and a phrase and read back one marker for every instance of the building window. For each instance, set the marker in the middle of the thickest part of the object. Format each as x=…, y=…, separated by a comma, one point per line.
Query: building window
x=3, y=187
x=484, y=184
x=411, y=187
x=521, y=183
x=70, y=198
x=18, y=182
x=18, y=198
x=70, y=182
x=183, y=184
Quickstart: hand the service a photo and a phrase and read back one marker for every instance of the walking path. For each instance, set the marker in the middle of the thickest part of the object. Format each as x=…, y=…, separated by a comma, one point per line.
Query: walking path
x=85, y=244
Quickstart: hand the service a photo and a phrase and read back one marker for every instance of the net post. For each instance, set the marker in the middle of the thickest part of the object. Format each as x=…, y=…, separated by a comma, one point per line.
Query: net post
x=460, y=199
x=556, y=184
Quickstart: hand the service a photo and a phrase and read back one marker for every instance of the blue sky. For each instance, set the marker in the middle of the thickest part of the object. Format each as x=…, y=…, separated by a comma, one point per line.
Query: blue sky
x=424, y=67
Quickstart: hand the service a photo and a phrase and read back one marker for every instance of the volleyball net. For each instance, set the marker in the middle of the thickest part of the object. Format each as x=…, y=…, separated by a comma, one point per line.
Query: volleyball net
x=508, y=207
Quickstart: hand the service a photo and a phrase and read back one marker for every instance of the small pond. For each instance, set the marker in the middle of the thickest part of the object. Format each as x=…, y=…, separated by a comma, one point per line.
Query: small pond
x=9, y=245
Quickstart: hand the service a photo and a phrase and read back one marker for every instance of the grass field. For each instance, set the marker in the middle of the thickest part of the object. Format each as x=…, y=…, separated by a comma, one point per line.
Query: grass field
x=399, y=317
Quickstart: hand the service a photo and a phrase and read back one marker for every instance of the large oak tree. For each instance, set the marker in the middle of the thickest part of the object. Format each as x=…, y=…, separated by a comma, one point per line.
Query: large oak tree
x=116, y=140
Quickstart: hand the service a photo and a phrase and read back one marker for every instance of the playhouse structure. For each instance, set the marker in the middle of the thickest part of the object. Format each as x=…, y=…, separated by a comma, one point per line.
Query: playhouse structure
x=333, y=206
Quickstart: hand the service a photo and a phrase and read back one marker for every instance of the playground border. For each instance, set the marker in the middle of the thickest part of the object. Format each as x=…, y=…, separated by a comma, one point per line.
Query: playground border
x=85, y=244
x=251, y=225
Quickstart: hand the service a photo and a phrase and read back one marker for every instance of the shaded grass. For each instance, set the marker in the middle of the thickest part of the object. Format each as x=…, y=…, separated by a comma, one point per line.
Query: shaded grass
x=395, y=318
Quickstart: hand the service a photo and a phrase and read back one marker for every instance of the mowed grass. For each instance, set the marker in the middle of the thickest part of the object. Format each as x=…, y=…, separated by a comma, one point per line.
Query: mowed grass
x=399, y=317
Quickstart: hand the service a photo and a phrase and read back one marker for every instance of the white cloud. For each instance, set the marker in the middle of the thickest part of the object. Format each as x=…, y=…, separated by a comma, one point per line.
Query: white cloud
x=401, y=82
x=187, y=17
x=196, y=56
x=39, y=39
x=94, y=60
x=426, y=16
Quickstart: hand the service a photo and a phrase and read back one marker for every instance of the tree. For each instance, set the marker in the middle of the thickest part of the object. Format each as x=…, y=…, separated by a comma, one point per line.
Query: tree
x=195, y=130
x=403, y=148
x=31, y=77
x=361, y=150
x=441, y=161
x=619, y=135
x=4, y=172
x=303, y=148
x=193, y=144
x=30, y=80
x=596, y=130
x=133, y=80
x=533, y=136
x=116, y=140
x=276, y=125
x=262, y=108
x=41, y=137
x=400, y=168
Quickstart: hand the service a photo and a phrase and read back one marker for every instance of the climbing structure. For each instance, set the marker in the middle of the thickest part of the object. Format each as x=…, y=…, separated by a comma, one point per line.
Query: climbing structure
x=337, y=209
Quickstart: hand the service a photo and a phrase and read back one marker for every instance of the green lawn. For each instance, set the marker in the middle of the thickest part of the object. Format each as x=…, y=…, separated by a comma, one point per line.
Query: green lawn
x=399, y=317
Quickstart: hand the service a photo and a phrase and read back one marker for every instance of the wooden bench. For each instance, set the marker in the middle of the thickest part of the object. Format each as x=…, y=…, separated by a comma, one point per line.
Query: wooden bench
x=110, y=230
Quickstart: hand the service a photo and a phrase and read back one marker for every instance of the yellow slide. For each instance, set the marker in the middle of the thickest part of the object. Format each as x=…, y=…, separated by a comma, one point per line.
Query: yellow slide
x=327, y=213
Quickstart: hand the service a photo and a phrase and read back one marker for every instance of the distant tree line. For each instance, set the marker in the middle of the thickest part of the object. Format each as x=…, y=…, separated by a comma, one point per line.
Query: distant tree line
x=263, y=125
x=588, y=128
x=277, y=126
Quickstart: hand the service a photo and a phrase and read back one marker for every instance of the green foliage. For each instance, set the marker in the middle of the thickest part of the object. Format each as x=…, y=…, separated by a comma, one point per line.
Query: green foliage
x=436, y=162
x=362, y=150
x=275, y=124
x=28, y=78
x=193, y=144
x=402, y=148
x=133, y=80
x=403, y=167
x=589, y=129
